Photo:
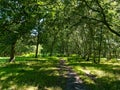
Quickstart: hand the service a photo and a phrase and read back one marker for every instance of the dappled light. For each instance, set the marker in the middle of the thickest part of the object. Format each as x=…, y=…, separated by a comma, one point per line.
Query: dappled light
x=43, y=74
x=59, y=44
x=104, y=76
x=36, y=75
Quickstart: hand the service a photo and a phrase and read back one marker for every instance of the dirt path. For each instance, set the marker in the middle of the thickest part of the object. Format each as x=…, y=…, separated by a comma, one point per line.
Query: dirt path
x=73, y=80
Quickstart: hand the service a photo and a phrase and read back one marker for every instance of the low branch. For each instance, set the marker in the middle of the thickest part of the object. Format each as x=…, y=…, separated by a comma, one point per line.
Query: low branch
x=105, y=20
x=111, y=30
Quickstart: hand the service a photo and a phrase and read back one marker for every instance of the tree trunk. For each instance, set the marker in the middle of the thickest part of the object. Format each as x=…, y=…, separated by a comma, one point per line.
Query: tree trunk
x=12, y=53
x=37, y=47
x=100, y=44
x=36, y=52
x=52, y=46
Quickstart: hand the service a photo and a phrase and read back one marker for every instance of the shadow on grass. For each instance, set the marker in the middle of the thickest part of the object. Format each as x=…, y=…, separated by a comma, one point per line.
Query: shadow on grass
x=104, y=82
x=105, y=67
x=40, y=74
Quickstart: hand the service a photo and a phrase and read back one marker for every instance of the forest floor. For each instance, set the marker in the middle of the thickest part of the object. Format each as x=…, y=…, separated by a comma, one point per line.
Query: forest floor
x=103, y=76
x=28, y=73
x=73, y=80
x=52, y=73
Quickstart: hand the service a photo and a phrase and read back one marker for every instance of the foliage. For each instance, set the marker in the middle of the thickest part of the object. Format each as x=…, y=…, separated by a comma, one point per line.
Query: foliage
x=87, y=27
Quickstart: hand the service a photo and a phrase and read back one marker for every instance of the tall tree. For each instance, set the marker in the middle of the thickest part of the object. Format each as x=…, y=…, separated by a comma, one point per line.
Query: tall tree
x=17, y=20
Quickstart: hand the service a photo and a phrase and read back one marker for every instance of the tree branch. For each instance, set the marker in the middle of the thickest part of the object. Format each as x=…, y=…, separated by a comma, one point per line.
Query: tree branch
x=90, y=6
x=105, y=21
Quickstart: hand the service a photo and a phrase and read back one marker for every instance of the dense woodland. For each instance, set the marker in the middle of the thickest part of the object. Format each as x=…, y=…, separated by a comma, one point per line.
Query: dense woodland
x=59, y=44
x=87, y=28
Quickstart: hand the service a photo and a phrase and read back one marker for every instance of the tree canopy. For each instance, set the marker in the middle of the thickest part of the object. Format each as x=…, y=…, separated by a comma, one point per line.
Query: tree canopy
x=84, y=27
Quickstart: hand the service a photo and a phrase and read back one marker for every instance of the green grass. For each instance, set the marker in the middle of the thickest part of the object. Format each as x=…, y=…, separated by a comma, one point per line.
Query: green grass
x=3, y=59
x=30, y=74
x=106, y=76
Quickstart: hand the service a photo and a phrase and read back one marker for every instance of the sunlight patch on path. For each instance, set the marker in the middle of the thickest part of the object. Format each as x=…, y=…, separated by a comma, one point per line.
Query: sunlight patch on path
x=53, y=88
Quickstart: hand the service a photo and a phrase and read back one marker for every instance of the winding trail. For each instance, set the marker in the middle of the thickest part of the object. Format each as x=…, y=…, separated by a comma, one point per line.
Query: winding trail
x=73, y=82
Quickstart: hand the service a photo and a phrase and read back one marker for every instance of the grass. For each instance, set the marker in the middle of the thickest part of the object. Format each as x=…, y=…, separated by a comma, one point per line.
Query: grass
x=30, y=74
x=3, y=59
x=104, y=76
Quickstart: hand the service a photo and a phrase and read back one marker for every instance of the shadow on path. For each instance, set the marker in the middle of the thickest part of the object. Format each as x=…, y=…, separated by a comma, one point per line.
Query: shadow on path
x=74, y=82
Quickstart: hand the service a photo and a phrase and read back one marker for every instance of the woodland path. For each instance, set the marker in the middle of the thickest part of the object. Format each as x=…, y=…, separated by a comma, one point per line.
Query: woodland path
x=73, y=82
